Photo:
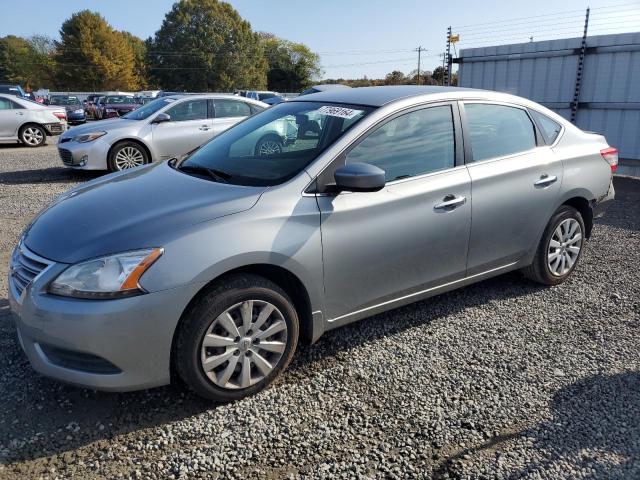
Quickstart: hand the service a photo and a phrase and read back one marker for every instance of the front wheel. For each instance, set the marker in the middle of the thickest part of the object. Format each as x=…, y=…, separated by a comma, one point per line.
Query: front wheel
x=32, y=135
x=236, y=339
x=126, y=155
x=268, y=145
x=560, y=248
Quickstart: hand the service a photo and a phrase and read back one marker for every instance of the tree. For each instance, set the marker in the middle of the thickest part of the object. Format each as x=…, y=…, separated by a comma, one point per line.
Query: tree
x=204, y=45
x=438, y=75
x=93, y=56
x=22, y=63
x=139, y=48
x=292, y=66
x=395, y=78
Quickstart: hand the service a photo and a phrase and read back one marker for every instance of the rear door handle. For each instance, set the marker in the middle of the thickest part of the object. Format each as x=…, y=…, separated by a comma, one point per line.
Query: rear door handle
x=450, y=202
x=545, y=180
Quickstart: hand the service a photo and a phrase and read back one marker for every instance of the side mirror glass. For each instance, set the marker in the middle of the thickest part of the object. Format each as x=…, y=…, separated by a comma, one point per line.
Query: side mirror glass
x=359, y=177
x=161, y=118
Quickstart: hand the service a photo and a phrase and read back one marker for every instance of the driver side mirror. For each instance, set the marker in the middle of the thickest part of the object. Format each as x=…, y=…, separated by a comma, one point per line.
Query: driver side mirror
x=359, y=177
x=161, y=118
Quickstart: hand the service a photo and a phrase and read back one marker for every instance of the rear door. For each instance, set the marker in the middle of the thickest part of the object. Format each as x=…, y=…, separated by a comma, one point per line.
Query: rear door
x=10, y=118
x=190, y=127
x=228, y=112
x=515, y=179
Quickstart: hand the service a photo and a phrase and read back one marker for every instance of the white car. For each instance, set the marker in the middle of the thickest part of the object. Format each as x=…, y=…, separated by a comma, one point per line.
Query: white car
x=29, y=122
x=164, y=128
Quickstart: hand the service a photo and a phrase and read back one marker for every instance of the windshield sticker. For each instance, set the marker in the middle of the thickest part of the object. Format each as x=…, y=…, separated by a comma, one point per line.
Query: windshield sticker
x=338, y=112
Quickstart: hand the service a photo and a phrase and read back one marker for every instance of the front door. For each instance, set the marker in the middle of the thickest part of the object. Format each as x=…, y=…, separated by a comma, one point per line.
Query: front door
x=10, y=118
x=515, y=180
x=190, y=127
x=412, y=235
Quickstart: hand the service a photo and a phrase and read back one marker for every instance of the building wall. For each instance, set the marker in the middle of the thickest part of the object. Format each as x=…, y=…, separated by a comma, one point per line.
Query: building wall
x=545, y=72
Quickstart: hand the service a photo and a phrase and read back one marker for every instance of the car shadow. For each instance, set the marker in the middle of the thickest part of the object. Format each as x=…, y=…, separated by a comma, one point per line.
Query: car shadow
x=594, y=426
x=46, y=417
x=48, y=175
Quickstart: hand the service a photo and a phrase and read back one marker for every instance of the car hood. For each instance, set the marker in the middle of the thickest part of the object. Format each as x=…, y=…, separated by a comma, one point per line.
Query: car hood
x=101, y=125
x=140, y=208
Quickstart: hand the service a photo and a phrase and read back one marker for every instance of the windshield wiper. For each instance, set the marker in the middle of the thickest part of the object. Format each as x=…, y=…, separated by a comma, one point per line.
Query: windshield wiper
x=217, y=175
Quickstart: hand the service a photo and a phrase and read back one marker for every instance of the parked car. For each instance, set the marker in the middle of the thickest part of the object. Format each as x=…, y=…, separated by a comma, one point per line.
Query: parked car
x=323, y=88
x=116, y=106
x=161, y=129
x=75, y=110
x=13, y=89
x=216, y=267
x=29, y=122
x=92, y=106
x=262, y=95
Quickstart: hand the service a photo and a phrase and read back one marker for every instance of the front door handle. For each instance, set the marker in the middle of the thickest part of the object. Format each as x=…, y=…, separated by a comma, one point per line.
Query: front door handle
x=545, y=180
x=450, y=202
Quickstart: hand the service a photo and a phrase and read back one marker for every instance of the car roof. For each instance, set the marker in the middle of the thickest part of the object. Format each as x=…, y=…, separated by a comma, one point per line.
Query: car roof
x=378, y=96
x=227, y=96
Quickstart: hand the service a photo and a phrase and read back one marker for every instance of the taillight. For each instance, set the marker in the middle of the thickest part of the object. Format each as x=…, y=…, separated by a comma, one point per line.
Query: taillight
x=60, y=115
x=611, y=157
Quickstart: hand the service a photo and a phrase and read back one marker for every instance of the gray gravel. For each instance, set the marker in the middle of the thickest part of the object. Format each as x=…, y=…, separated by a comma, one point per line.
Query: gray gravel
x=504, y=379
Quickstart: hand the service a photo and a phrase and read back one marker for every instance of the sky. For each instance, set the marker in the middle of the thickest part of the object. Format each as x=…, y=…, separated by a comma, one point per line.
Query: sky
x=357, y=38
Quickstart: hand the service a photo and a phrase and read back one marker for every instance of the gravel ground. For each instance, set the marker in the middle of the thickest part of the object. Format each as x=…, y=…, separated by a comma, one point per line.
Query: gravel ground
x=503, y=379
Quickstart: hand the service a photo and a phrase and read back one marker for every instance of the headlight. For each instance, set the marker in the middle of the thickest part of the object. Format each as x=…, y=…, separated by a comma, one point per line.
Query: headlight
x=113, y=276
x=78, y=111
x=88, y=137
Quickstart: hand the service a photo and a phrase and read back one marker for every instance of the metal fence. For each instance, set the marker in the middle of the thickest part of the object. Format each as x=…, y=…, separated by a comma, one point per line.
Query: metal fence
x=607, y=88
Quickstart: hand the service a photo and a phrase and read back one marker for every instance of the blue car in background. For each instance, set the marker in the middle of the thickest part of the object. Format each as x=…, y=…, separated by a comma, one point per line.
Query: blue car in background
x=72, y=104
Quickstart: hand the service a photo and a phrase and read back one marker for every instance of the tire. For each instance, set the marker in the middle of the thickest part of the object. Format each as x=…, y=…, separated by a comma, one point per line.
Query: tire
x=32, y=135
x=268, y=145
x=217, y=372
x=560, y=248
x=125, y=155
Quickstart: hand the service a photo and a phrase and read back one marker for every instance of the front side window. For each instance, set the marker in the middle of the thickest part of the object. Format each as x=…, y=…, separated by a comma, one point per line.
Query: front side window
x=412, y=144
x=273, y=146
x=188, y=110
x=498, y=130
x=550, y=128
x=231, y=108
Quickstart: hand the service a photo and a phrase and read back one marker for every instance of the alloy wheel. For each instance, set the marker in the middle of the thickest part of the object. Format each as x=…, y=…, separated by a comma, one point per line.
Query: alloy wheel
x=244, y=344
x=269, y=147
x=564, y=247
x=32, y=136
x=129, y=157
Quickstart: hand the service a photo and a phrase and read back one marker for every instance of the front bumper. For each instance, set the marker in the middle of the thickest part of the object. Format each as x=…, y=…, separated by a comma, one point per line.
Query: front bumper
x=76, y=117
x=113, y=345
x=85, y=156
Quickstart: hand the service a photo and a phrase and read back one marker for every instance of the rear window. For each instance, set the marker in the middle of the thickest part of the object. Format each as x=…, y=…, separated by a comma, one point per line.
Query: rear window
x=550, y=128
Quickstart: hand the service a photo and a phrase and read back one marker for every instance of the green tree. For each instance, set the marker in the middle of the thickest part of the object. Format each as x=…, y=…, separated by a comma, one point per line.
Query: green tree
x=204, y=45
x=292, y=66
x=139, y=48
x=93, y=56
x=22, y=63
x=395, y=78
x=438, y=75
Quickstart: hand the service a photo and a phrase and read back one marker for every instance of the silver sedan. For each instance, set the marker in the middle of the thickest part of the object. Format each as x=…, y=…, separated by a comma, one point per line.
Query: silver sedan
x=29, y=122
x=164, y=128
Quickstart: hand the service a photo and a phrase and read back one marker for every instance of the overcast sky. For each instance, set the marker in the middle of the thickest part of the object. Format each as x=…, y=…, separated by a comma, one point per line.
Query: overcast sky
x=359, y=37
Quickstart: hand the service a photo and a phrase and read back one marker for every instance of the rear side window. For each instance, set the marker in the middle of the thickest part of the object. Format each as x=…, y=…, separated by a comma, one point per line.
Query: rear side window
x=231, y=108
x=412, y=144
x=498, y=130
x=550, y=128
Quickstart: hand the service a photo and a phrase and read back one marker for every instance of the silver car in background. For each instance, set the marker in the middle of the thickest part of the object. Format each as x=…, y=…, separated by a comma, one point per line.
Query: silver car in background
x=29, y=122
x=214, y=267
x=161, y=129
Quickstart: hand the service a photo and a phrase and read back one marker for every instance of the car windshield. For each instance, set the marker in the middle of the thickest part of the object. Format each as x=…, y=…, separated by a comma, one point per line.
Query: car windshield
x=275, y=145
x=148, y=109
x=119, y=99
x=64, y=101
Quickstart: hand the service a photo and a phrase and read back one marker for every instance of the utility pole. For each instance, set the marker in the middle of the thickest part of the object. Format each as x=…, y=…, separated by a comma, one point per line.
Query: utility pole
x=447, y=74
x=444, y=59
x=419, y=50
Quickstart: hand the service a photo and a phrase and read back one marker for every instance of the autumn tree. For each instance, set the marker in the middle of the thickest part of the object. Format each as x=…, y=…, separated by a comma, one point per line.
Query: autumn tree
x=139, y=48
x=395, y=78
x=93, y=56
x=25, y=61
x=204, y=45
x=292, y=66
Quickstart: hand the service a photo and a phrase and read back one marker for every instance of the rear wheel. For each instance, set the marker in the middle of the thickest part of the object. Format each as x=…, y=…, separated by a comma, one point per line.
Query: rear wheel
x=268, y=145
x=126, y=155
x=32, y=135
x=560, y=248
x=236, y=339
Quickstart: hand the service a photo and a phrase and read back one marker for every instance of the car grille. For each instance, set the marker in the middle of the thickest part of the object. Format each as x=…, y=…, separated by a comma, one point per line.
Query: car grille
x=25, y=266
x=66, y=156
